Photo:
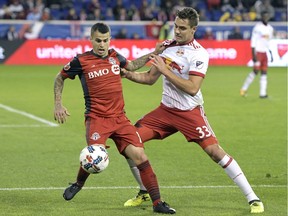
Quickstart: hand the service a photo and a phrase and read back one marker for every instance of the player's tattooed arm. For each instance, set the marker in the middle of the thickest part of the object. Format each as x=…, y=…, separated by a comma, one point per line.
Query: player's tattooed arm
x=60, y=112
x=141, y=61
x=58, y=88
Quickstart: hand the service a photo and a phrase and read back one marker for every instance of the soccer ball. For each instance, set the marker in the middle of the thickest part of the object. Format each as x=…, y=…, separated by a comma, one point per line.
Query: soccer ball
x=94, y=159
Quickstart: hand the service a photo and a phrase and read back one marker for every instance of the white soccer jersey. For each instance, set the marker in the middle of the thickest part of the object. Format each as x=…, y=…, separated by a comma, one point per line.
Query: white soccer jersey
x=261, y=35
x=184, y=60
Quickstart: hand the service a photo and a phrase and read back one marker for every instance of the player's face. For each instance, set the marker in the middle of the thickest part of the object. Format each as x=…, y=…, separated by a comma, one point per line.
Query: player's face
x=101, y=43
x=183, y=33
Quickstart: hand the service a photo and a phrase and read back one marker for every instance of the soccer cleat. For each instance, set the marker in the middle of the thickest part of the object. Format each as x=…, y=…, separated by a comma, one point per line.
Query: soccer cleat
x=263, y=96
x=256, y=206
x=243, y=93
x=164, y=208
x=71, y=191
x=138, y=200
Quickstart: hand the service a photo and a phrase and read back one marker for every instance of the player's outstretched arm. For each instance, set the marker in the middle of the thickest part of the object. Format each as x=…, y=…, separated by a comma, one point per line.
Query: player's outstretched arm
x=60, y=112
x=141, y=61
x=148, y=77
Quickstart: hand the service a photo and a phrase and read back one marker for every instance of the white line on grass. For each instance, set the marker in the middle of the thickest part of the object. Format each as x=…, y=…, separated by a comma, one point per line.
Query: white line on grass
x=130, y=187
x=10, y=109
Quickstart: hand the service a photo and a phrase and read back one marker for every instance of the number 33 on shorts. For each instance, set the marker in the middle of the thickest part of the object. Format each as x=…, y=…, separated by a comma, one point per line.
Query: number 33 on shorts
x=204, y=131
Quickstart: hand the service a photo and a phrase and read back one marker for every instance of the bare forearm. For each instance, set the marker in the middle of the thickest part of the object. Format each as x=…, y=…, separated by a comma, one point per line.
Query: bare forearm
x=58, y=88
x=137, y=77
x=138, y=63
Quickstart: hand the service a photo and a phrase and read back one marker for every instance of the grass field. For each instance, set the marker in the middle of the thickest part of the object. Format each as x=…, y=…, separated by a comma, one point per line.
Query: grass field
x=38, y=158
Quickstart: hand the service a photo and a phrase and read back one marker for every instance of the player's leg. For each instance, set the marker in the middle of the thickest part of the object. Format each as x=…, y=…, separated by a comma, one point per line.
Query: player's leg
x=148, y=178
x=263, y=78
x=74, y=188
x=196, y=128
x=142, y=196
x=234, y=171
x=248, y=80
x=263, y=85
x=92, y=124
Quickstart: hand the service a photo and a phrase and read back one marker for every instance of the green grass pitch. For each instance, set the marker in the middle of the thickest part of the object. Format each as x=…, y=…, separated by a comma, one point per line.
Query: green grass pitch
x=38, y=160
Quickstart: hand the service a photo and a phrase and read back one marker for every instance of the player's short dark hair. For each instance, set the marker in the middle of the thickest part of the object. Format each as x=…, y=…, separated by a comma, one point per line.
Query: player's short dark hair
x=190, y=14
x=101, y=27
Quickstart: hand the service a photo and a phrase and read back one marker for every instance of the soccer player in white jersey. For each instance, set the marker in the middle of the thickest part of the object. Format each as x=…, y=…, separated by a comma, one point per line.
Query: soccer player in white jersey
x=183, y=65
x=261, y=35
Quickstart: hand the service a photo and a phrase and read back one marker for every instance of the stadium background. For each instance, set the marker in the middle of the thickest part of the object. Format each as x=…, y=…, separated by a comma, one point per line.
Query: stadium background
x=141, y=22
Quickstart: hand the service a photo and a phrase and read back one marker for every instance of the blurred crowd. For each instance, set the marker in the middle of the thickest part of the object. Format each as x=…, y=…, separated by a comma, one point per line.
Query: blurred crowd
x=136, y=10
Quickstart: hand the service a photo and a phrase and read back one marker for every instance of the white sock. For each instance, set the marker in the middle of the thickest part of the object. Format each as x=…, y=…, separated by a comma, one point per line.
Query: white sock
x=136, y=174
x=249, y=79
x=263, y=85
x=234, y=171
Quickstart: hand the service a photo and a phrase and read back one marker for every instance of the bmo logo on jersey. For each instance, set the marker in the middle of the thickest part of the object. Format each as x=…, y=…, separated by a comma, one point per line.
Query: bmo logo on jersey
x=102, y=72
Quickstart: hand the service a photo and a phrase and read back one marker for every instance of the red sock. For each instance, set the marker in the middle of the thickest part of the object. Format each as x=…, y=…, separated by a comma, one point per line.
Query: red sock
x=149, y=180
x=82, y=177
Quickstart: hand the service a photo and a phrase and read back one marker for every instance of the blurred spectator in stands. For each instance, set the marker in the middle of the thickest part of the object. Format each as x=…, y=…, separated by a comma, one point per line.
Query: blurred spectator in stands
x=133, y=13
x=91, y=6
x=226, y=7
x=248, y=4
x=283, y=16
x=12, y=34
x=46, y=15
x=146, y=14
x=117, y=8
x=28, y=6
x=83, y=15
x=109, y=14
x=72, y=15
x=122, y=34
x=136, y=16
x=179, y=6
x=235, y=34
x=202, y=15
x=2, y=10
x=213, y=4
x=135, y=36
x=34, y=15
x=123, y=16
x=264, y=5
x=7, y=14
x=162, y=16
x=67, y=4
x=164, y=31
x=21, y=15
x=208, y=34
x=97, y=15
x=15, y=8
x=168, y=7
x=40, y=5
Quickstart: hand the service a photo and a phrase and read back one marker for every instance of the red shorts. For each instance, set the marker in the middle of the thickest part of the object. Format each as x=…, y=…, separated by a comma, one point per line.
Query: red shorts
x=120, y=130
x=262, y=61
x=164, y=121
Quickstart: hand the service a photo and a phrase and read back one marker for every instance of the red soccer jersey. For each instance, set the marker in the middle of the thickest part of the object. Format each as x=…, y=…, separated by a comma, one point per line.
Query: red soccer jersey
x=101, y=82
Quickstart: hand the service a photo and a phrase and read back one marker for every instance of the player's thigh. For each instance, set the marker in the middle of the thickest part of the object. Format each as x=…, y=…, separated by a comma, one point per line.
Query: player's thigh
x=195, y=127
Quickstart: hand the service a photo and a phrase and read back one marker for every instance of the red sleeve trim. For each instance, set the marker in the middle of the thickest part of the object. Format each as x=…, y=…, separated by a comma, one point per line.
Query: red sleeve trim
x=195, y=73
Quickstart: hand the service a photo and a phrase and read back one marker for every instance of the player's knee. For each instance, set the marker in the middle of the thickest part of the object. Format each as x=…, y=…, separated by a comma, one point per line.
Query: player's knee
x=215, y=152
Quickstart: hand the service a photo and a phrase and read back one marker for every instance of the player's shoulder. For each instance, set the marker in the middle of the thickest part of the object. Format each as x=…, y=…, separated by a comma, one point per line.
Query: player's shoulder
x=85, y=53
x=196, y=46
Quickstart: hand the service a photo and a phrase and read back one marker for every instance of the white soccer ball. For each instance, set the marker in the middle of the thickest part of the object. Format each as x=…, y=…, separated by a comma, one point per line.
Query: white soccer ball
x=94, y=159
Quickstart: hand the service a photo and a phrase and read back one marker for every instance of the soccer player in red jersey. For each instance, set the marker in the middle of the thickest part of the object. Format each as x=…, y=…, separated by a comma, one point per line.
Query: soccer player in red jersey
x=183, y=66
x=99, y=74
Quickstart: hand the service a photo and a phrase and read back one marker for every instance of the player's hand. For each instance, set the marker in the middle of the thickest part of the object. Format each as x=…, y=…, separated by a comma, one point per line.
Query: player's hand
x=159, y=48
x=123, y=72
x=159, y=63
x=60, y=114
